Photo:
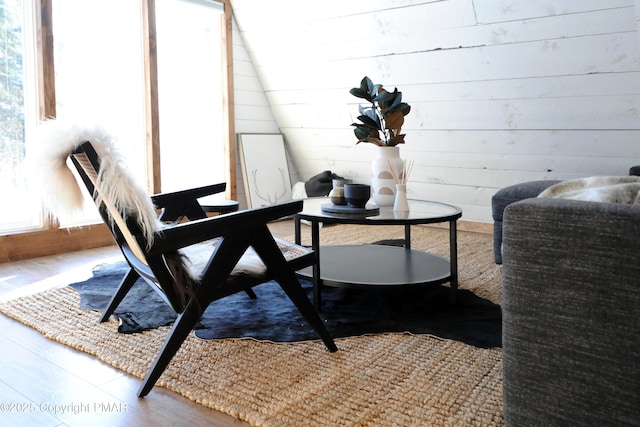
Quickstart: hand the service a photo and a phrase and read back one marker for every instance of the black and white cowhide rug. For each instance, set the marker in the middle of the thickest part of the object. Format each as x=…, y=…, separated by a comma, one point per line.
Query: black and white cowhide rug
x=273, y=317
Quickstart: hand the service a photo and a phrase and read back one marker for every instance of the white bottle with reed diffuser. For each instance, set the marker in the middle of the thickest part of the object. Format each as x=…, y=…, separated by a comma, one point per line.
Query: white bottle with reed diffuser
x=401, y=204
x=400, y=177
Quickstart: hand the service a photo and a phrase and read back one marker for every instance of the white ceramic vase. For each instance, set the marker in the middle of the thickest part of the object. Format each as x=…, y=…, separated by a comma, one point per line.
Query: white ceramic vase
x=383, y=186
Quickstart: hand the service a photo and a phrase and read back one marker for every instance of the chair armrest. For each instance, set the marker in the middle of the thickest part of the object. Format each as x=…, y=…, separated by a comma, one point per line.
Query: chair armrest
x=571, y=298
x=178, y=204
x=162, y=199
x=173, y=237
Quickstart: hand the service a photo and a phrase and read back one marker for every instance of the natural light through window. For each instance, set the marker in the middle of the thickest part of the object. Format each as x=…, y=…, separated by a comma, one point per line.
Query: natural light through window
x=98, y=58
x=190, y=93
x=18, y=112
x=99, y=74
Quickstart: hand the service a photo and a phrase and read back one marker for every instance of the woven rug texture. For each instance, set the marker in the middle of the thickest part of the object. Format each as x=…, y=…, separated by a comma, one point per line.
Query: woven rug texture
x=374, y=380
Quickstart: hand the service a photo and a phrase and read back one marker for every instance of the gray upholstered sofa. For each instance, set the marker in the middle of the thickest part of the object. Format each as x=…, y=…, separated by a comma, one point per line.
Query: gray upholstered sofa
x=571, y=313
x=513, y=193
x=503, y=198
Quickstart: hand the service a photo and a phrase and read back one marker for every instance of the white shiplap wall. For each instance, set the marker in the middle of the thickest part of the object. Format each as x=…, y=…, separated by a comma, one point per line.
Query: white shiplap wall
x=253, y=113
x=501, y=91
x=637, y=3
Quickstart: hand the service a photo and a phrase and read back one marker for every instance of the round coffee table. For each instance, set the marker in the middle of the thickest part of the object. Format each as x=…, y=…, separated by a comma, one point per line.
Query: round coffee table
x=379, y=266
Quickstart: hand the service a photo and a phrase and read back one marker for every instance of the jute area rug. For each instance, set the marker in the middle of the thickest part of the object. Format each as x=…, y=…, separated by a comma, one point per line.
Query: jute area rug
x=374, y=380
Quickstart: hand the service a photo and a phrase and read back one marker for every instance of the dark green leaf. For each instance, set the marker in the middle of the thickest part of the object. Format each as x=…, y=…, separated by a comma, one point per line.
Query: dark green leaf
x=397, y=100
x=361, y=132
x=384, y=97
x=369, y=122
x=359, y=93
x=366, y=84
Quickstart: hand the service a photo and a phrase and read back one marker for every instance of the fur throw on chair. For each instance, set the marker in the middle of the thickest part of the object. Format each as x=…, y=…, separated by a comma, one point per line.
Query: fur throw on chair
x=61, y=193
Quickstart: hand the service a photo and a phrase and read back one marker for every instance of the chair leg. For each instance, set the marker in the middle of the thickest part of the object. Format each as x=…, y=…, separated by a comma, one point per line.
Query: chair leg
x=227, y=256
x=183, y=325
x=270, y=254
x=123, y=289
x=251, y=293
x=294, y=291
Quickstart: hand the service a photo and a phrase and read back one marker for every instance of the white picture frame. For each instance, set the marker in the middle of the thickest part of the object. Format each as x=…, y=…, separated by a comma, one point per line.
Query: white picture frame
x=265, y=169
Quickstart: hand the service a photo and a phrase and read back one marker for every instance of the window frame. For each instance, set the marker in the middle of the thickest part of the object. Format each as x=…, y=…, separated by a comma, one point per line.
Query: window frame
x=51, y=239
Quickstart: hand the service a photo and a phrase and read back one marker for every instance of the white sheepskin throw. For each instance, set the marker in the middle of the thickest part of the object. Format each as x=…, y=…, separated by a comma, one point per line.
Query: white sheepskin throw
x=609, y=189
x=61, y=193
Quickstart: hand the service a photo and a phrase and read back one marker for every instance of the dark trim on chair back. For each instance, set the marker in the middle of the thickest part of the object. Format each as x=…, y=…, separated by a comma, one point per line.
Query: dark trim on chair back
x=128, y=235
x=87, y=163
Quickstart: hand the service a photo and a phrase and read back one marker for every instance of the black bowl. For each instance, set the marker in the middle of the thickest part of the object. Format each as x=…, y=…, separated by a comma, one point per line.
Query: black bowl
x=357, y=195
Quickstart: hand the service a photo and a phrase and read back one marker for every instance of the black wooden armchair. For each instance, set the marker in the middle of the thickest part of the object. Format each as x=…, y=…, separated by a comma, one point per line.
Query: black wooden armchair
x=242, y=254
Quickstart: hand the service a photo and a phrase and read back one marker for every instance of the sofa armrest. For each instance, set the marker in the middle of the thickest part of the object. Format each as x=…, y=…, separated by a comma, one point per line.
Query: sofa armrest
x=571, y=313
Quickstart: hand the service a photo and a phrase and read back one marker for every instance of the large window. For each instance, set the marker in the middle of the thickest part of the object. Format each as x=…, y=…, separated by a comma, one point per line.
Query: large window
x=153, y=72
x=189, y=93
x=153, y=79
x=100, y=79
x=18, y=110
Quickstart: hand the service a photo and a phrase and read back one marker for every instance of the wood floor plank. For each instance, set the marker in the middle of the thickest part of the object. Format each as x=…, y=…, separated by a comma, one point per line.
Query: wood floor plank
x=17, y=410
x=163, y=407
x=54, y=390
x=75, y=362
x=31, y=276
x=47, y=374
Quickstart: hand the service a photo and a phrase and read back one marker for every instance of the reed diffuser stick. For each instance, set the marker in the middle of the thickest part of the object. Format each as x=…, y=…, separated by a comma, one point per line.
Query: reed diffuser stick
x=401, y=177
x=394, y=171
x=407, y=171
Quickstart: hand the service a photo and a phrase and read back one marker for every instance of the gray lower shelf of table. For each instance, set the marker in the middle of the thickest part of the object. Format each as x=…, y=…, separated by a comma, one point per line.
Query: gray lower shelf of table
x=379, y=266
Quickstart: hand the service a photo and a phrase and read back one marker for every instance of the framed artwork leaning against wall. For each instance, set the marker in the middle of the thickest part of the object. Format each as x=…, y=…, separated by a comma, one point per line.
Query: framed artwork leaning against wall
x=265, y=170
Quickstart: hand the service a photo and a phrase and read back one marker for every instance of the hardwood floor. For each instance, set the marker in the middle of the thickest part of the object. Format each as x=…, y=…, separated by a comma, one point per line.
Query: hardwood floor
x=43, y=383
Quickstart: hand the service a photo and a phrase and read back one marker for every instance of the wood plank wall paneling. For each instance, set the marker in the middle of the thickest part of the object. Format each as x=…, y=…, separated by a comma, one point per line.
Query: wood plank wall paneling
x=501, y=92
x=253, y=111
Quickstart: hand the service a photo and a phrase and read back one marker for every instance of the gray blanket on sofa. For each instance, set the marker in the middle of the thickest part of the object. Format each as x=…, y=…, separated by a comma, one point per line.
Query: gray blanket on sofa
x=611, y=189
